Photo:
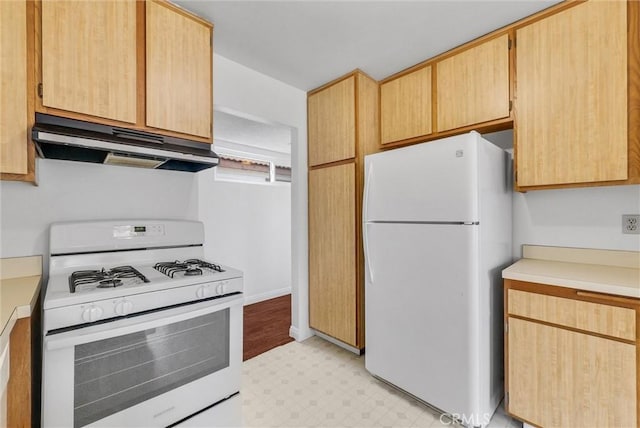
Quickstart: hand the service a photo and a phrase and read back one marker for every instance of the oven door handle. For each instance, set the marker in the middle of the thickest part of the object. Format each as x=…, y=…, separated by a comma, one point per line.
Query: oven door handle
x=121, y=327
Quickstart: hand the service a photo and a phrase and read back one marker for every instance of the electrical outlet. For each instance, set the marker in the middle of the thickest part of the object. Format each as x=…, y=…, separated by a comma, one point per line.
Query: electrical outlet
x=631, y=223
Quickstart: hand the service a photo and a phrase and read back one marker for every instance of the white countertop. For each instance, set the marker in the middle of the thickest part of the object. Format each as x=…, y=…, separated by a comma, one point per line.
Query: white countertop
x=20, y=280
x=602, y=271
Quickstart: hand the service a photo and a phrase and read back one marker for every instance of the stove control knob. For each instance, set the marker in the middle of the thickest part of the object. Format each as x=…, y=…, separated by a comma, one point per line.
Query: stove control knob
x=123, y=307
x=201, y=292
x=220, y=288
x=92, y=313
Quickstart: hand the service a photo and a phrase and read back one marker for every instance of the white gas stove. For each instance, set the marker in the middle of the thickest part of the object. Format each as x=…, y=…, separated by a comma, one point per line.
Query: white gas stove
x=139, y=329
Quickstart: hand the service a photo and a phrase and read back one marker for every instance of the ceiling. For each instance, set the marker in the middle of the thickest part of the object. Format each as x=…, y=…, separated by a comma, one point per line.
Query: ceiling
x=307, y=43
x=233, y=128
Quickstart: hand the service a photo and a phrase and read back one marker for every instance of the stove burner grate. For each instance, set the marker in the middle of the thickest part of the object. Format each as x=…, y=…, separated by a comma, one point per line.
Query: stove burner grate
x=103, y=278
x=190, y=267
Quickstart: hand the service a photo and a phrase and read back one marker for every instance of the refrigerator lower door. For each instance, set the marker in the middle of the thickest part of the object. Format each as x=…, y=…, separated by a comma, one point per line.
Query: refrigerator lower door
x=420, y=308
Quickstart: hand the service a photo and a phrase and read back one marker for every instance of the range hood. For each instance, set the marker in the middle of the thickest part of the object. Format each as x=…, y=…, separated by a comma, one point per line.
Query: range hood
x=60, y=138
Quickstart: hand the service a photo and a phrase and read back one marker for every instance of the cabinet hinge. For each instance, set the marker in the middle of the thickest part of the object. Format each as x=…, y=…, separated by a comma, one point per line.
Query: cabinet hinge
x=510, y=105
x=510, y=43
x=506, y=327
x=40, y=90
x=506, y=398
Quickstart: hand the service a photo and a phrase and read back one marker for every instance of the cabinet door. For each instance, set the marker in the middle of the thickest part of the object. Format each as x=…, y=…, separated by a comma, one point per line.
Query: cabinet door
x=332, y=123
x=560, y=378
x=89, y=58
x=179, y=88
x=473, y=86
x=332, y=252
x=13, y=88
x=405, y=106
x=571, y=96
x=19, y=390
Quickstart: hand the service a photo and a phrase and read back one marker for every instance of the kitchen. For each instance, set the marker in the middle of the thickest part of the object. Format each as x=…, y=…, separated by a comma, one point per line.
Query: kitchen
x=575, y=217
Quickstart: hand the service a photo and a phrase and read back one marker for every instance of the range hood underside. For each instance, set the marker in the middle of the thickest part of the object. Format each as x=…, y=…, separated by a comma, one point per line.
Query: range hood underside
x=69, y=139
x=83, y=154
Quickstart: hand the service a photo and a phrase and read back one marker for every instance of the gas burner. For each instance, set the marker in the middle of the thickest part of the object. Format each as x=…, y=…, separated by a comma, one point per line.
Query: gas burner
x=193, y=272
x=190, y=267
x=109, y=283
x=103, y=278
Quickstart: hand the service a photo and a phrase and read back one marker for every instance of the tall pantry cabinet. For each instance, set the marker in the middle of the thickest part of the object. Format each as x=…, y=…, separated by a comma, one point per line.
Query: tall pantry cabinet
x=342, y=129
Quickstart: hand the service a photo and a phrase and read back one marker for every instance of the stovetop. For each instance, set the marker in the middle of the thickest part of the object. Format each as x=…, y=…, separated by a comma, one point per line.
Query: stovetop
x=105, y=278
x=92, y=279
x=103, y=270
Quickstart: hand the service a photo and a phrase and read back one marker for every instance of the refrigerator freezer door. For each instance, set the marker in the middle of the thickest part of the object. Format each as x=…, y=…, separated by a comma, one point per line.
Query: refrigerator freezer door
x=434, y=181
x=420, y=313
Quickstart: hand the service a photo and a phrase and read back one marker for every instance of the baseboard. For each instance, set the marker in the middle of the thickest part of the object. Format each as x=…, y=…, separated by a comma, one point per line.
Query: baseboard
x=298, y=335
x=249, y=300
x=338, y=343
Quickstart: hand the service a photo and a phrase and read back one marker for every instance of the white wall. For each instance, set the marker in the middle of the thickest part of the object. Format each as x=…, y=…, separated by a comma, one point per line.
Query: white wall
x=587, y=217
x=244, y=90
x=71, y=191
x=79, y=191
x=248, y=226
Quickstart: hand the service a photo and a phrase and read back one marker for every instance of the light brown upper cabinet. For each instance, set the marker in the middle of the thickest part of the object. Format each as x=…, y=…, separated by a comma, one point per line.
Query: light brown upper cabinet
x=89, y=58
x=332, y=123
x=142, y=65
x=405, y=106
x=17, y=155
x=13, y=91
x=571, y=96
x=179, y=93
x=473, y=85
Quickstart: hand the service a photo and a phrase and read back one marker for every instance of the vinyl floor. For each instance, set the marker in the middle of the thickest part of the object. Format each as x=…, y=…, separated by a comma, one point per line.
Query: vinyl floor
x=318, y=384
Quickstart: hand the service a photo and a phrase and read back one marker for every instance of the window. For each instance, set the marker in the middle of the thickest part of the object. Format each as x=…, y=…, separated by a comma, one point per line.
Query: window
x=251, y=150
x=237, y=168
x=283, y=173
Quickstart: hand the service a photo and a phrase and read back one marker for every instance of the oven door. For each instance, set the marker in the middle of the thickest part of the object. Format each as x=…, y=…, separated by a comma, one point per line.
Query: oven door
x=146, y=370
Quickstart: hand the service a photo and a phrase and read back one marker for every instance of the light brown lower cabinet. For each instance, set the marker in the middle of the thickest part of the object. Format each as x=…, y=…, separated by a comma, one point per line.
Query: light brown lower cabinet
x=25, y=375
x=332, y=251
x=571, y=357
x=19, y=387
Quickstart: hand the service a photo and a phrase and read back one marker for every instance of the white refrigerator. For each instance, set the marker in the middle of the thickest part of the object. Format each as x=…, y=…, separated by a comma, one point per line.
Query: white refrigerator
x=437, y=233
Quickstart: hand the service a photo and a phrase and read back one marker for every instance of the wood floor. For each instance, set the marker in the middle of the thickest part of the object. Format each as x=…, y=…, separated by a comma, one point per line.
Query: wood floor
x=266, y=325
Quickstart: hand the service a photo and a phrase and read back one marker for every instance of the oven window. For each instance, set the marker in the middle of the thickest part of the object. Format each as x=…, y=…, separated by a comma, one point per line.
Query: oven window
x=120, y=372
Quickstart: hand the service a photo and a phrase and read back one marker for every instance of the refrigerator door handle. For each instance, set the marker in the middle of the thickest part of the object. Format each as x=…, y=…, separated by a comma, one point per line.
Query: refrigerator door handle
x=367, y=253
x=367, y=188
